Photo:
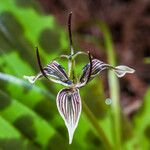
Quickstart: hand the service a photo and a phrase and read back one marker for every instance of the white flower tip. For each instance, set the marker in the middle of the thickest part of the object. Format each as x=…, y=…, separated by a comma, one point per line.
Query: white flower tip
x=71, y=133
x=122, y=70
x=69, y=106
x=31, y=79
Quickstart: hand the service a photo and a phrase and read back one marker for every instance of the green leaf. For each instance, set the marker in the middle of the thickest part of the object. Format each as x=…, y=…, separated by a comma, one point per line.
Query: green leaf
x=142, y=123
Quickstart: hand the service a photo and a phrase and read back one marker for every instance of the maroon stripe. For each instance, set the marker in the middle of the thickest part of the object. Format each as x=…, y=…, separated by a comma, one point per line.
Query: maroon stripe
x=74, y=107
x=60, y=71
x=54, y=68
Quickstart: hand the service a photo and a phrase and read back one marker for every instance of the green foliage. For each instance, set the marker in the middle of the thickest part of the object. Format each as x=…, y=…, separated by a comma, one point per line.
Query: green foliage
x=28, y=115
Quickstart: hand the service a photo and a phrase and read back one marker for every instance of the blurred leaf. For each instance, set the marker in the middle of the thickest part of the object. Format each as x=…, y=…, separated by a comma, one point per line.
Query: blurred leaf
x=95, y=100
x=7, y=131
x=29, y=124
x=147, y=60
x=10, y=137
x=142, y=123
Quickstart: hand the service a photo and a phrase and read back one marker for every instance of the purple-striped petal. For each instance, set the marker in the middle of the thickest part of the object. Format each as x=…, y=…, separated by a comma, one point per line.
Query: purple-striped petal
x=55, y=72
x=69, y=106
x=97, y=67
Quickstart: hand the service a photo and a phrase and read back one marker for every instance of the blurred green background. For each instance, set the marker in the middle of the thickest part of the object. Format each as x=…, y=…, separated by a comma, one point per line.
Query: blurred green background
x=29, y=119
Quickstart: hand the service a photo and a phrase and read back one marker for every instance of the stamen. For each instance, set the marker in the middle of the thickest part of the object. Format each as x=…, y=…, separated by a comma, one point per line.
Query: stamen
x=90, y=69
x=39, y=63
x=70, y=33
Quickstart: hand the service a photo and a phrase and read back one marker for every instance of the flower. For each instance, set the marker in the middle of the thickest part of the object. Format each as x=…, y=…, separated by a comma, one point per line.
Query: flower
x=68, y=99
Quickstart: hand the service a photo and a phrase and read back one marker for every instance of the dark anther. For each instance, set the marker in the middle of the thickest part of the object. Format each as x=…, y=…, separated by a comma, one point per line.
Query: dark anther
x=39, y=63
x=90, y=69
x=69, y=29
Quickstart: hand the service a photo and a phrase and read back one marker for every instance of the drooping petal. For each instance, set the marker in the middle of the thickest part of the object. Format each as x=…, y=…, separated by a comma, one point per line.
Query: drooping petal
x=97, y=67
x=69, y=106
x=55, y=72
x=122, y=70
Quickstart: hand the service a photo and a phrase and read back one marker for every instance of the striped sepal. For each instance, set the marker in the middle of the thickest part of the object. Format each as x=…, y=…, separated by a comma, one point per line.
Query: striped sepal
x=97, y=67
x=55, y=72
x=69, y=107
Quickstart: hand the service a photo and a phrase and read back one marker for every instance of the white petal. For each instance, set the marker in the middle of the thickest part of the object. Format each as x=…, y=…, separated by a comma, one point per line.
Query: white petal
x=69, y=106
x=122, y=70
x=31, y=79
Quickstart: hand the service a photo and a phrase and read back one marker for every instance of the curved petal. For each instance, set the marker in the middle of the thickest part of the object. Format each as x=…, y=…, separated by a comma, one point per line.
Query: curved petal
x=122, y=70
x=55, y=72
x=69, y=106
x=97, y=67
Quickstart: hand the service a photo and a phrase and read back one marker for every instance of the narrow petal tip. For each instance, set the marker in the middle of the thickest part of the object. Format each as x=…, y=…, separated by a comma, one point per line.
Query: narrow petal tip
x=71, y=133
x=31, y=79
x=122, y=70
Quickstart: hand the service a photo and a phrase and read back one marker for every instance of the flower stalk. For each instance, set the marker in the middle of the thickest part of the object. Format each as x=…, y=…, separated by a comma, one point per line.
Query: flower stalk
x=113, y=86
x=100, y=132
x=71, y=60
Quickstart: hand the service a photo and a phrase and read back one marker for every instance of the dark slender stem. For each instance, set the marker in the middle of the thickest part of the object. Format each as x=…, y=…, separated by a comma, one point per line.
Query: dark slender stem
x=70, y=32
x=90, y=69
x=39, y=63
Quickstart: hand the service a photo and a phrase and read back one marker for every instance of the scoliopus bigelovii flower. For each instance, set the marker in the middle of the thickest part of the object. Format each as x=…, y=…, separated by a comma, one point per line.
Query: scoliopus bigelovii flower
x=68, y=99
